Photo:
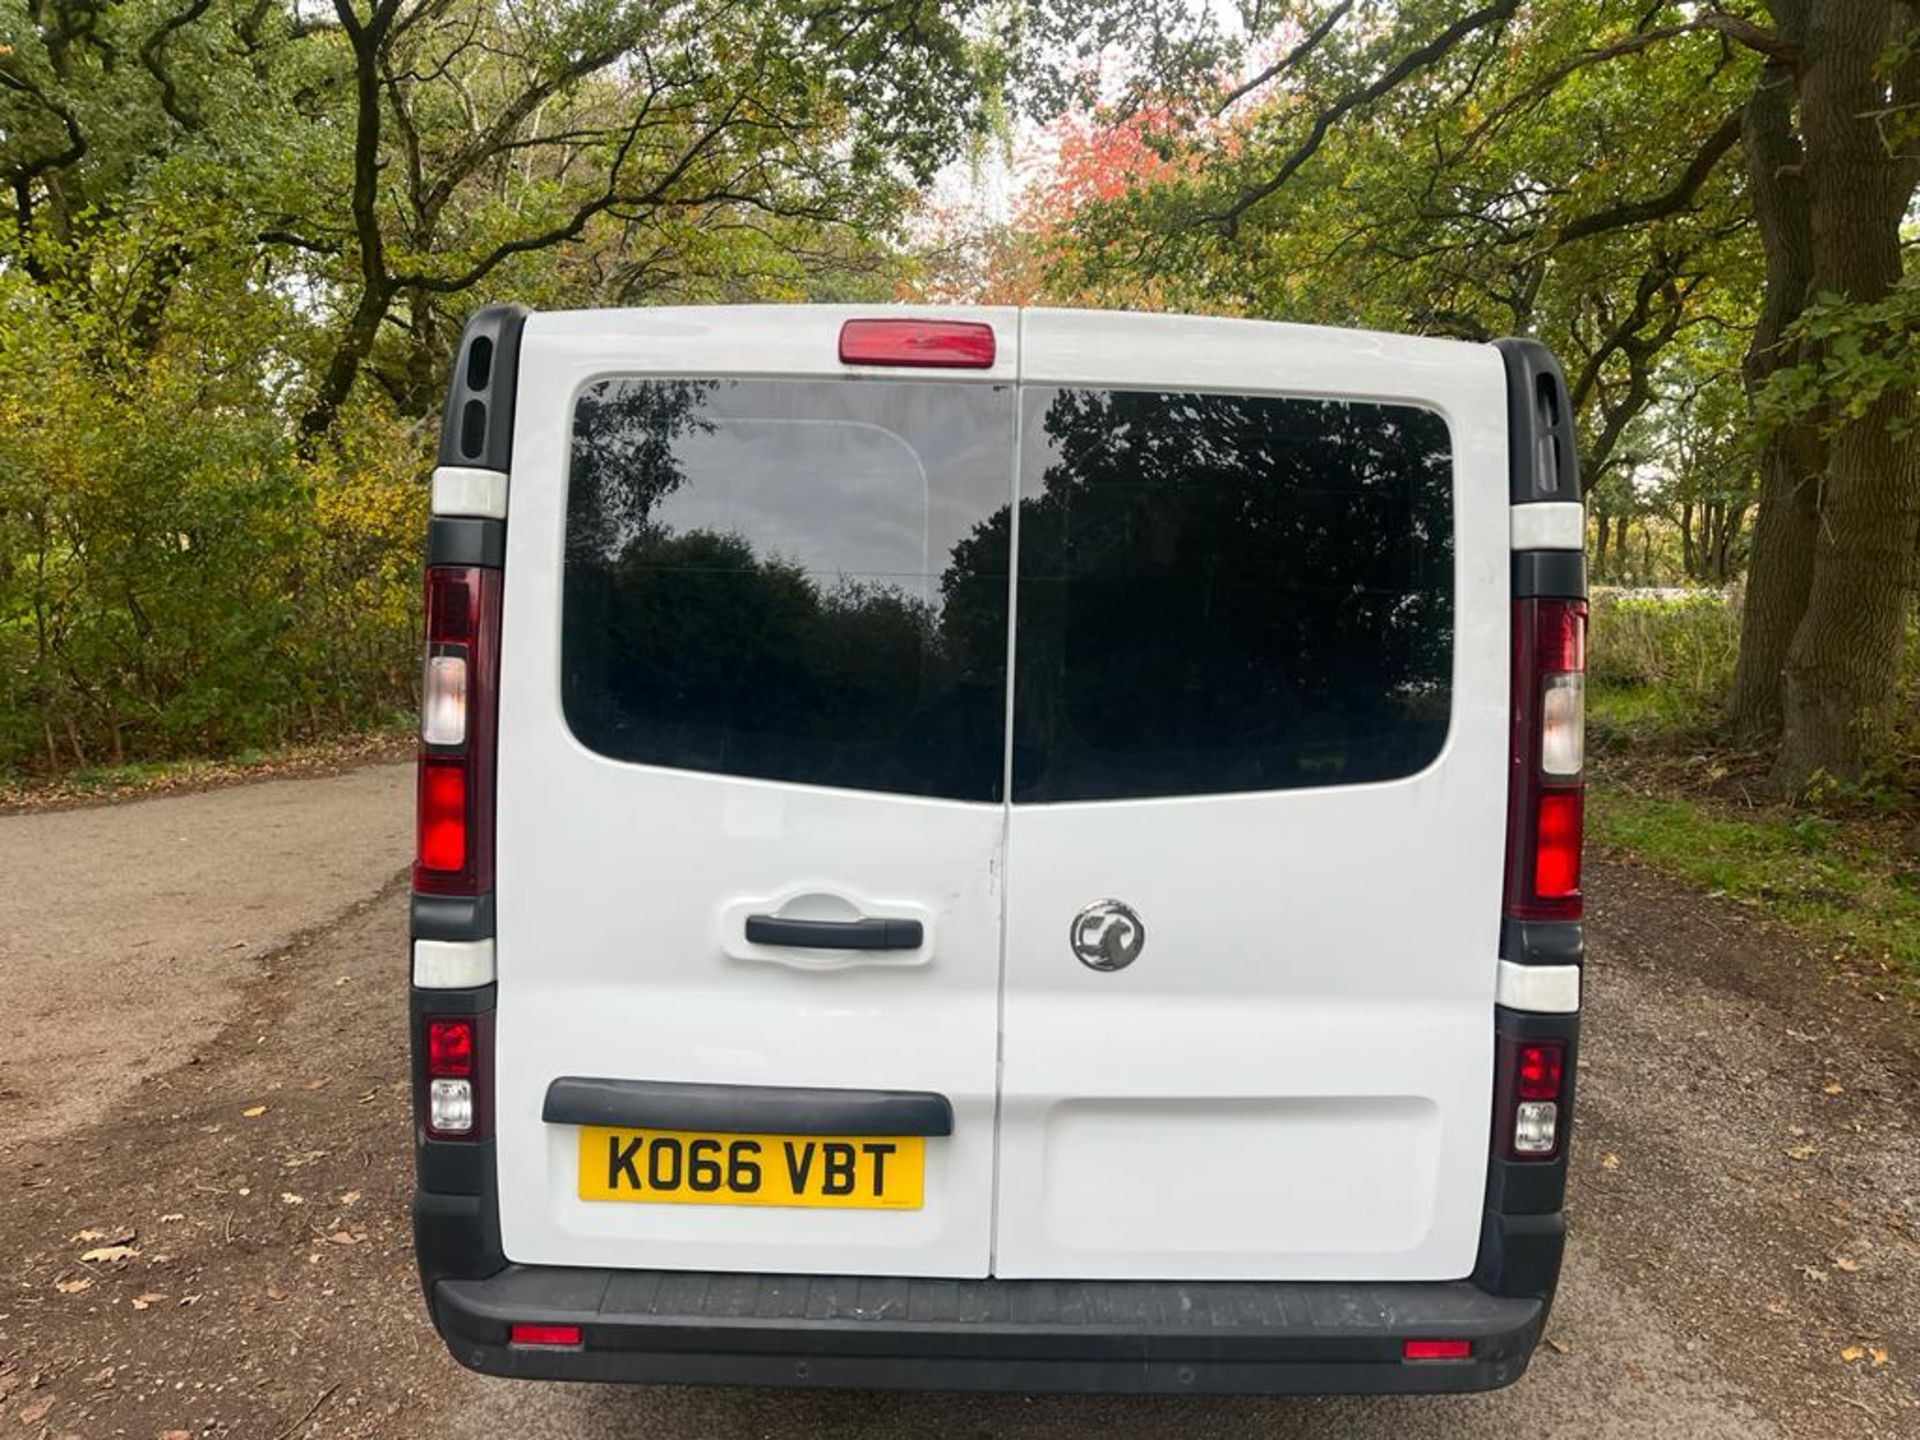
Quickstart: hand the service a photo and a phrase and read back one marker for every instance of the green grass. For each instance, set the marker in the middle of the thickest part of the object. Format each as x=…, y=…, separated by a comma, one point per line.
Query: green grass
x=1804, y=869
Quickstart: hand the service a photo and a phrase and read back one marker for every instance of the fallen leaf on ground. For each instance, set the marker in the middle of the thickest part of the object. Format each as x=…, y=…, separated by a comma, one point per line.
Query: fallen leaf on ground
x=343, y=1237
x=147, y=1301
x=352, y=1197
x=254, y=1112
x=1609, y=1161
x=73, y=1286
x=1560, y=1347
x=275, y=1293
x=1841, y=1262
x=1836, y=1088
x=96, y=1237
x=1853, y=1353
x=287, y=1197
x=1814, y=1273
x=1777, y=1307
x=1800, y=1152
x=1879, y=1356
x=36, y=1412
x=176, y=1435
x=110, y=1254
x=317, y=1084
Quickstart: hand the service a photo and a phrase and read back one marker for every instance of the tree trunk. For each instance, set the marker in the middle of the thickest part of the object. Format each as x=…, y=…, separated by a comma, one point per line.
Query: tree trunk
x=1780, y=566
x=343, y=366
x=1602, y=537
x=1844, y=660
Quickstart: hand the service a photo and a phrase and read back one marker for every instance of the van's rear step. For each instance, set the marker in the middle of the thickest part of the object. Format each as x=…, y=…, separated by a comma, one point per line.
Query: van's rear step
x=861, y=1331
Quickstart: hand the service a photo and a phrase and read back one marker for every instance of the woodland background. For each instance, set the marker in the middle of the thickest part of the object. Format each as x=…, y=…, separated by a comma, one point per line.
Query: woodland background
x=242, y=235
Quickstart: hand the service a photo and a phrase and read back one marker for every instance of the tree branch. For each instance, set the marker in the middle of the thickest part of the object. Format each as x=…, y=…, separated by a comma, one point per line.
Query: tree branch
x=1286, y=62
x=150, y=50
x=1770, y=43
x=1419, y=58
x=1655, y=207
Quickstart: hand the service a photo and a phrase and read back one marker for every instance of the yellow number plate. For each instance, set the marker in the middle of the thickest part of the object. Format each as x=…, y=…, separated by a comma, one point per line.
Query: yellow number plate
x=678, y=1167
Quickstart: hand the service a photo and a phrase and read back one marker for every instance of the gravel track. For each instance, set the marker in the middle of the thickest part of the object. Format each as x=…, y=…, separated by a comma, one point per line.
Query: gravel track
x=1746, y=1204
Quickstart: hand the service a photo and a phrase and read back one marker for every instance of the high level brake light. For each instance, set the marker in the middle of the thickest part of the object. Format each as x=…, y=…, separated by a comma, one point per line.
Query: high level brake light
x=1546, y=790
x=940, y=344
x=454, y=850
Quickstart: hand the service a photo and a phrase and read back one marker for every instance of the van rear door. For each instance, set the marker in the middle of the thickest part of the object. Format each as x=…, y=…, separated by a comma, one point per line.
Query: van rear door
x=1258, y=795
x=750, y=809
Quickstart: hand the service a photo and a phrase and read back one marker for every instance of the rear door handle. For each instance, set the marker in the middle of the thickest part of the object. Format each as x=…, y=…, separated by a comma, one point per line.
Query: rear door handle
x=882, y=934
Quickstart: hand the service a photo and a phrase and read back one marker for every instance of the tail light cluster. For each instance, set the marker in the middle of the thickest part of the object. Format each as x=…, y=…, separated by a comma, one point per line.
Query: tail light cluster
x=1531, y=1086
x=1546, y=793
x=454, y=854
x=455, y=1074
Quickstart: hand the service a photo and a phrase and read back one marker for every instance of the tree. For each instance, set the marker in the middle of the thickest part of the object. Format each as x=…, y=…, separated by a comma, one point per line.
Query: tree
x=1611, y=176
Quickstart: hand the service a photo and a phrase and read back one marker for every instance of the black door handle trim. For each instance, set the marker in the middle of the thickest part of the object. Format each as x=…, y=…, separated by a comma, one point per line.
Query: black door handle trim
x=745, y=1109
x=881, y=934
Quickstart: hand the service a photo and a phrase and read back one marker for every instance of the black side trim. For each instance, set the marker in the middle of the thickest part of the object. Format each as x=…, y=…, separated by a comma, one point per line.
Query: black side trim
x=1102, y=1336
x=476, y=428
x=1523, y=1232
x=1543, y=463
x=466, y=540
x=1552, y=574
x=1543, y=942
x=452, y=917
x=876, y=934
x=745, y=1109
x=456, y=1209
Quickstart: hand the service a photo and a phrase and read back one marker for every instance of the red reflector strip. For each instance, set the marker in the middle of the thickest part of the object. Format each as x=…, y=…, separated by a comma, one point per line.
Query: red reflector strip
x=1437, y=1350
x=941, y=344
x=545, y=1335
x=1556, y=857
x=443, y=814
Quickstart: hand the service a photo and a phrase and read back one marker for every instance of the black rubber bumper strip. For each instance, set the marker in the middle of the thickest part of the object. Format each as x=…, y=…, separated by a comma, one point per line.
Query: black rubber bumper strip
x=864, y=1330
x=745, y=1109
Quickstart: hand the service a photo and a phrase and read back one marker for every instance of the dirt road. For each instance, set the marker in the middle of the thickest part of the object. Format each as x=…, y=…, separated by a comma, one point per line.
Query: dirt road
x=205, y=1049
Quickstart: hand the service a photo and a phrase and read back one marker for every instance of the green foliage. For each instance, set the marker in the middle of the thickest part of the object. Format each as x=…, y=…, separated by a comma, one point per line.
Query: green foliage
x=1855, y=355
x=1666, y=661
x=1810, y=871
x=172, y=579
x=242, y=236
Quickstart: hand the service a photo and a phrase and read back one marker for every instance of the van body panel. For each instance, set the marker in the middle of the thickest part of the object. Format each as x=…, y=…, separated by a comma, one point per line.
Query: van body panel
x=1291, y=1082
x=624, y=889
x=1292, y=1079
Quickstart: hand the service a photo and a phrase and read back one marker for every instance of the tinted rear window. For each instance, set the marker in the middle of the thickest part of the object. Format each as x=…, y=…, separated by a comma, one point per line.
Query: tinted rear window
x=1228, y=593
x=801, y=581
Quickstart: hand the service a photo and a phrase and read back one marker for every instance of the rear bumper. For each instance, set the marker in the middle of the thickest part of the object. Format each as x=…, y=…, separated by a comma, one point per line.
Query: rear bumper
x=1031, y=1335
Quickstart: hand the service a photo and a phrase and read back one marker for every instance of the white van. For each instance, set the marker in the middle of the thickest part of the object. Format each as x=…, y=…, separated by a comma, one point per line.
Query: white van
x=1017, y=849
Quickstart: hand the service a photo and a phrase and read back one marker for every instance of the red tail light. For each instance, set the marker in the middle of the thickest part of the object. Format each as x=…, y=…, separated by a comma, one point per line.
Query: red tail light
x=1530, y=1098
x=456, y=1075
x=454, y=850
x=943, y=344
x=1546, y=786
